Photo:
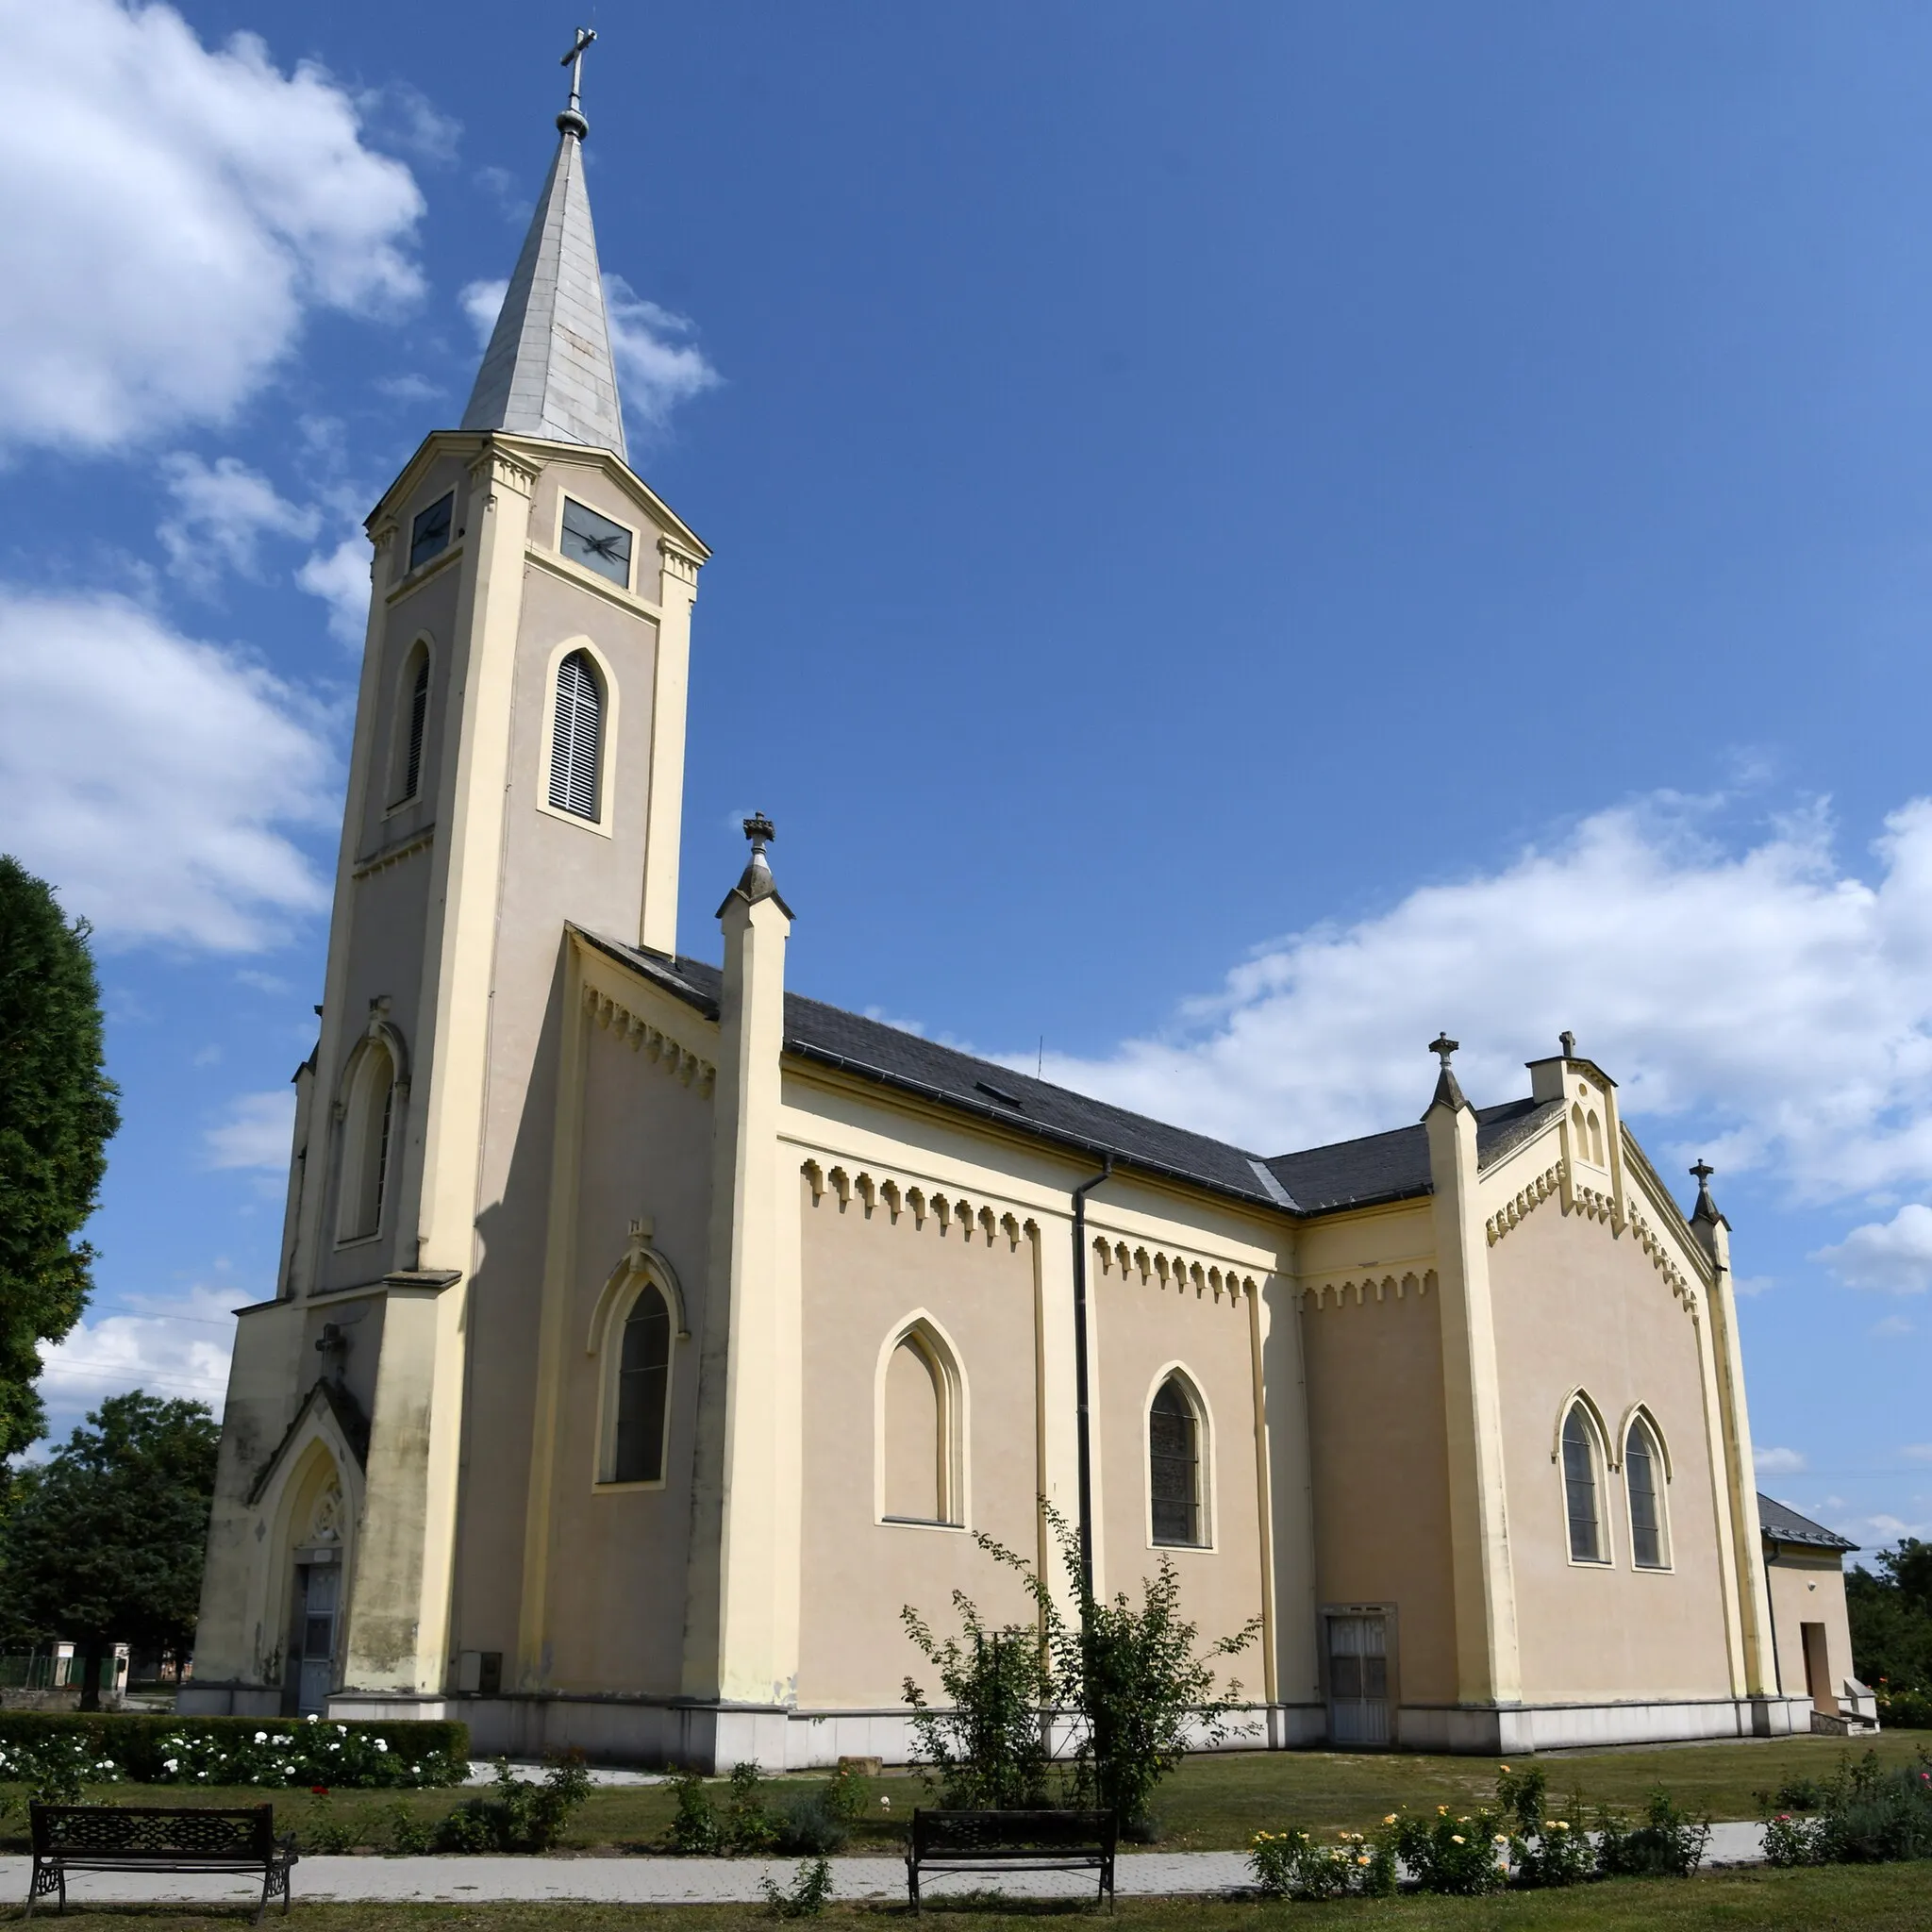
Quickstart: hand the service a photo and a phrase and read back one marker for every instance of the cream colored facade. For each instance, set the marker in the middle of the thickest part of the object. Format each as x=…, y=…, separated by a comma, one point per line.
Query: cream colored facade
x=648, y=1337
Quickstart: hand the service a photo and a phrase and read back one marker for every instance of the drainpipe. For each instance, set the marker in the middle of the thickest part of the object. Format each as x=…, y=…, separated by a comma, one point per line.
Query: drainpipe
x=1080, y=1406
x=1777, y=1669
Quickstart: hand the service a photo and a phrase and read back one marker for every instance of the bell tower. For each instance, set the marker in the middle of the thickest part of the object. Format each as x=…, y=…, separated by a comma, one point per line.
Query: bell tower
x=517, y=766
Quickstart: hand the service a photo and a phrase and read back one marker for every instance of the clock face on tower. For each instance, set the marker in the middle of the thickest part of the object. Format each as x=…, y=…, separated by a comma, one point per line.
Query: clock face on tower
x=595, y=543
x=429, y=533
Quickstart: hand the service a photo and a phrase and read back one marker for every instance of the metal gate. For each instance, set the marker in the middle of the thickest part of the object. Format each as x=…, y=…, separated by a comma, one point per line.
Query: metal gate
x=1357, y=1679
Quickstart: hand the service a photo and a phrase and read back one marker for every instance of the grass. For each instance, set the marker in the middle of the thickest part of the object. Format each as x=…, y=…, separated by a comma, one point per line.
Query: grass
x=1212, y=1804
x=1880, y=1898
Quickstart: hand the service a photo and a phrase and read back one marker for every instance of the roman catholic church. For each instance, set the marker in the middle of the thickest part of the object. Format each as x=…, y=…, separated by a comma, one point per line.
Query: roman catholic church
x=648, y=1333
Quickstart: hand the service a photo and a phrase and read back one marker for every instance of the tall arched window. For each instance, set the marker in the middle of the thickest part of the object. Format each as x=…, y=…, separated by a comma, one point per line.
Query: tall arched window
x=1643, y=1481
x=917, y=1452
x=1580, y=1487
x=577, y=737
x=1596, y=1139
x=643, y=1378
x=368, y=1127
x=1173, y=1464
x=409, y=779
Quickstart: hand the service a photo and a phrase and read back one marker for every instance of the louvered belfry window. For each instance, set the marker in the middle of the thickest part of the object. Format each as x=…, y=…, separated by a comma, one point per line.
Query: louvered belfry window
x=419, y=716
x=577, y=743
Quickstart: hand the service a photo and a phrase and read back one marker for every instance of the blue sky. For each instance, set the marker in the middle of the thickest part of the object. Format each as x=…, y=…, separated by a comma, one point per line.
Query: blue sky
x=1243, y=535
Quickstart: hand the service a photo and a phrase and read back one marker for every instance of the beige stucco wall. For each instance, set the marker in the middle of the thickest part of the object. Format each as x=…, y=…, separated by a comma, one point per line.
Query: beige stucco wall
x=1142, y=1328
x=1579, y=1306
x=1377, y=1449
x=864, y=1277
x=616, y=1554
x=1808, y=1586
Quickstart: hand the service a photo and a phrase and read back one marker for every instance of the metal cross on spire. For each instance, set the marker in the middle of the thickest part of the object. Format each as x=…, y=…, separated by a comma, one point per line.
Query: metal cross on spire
x=572, y=119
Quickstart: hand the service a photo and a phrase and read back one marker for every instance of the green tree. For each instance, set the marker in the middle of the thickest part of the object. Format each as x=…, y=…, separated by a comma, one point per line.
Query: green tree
x=104, y=1543
x=57, y=1114
x=1891, y=1617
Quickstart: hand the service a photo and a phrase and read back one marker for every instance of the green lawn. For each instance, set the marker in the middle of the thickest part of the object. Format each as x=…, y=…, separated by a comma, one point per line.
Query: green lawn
x=1882, y=1898
x=1212, y=1804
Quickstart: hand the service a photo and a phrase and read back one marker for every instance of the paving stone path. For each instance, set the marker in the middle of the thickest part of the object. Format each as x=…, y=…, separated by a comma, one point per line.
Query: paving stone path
x=680, y=1881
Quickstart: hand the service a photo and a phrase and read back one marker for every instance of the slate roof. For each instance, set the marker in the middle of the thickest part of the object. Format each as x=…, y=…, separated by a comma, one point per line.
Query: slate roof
x=548, y=370
x=1786, y=1525
x=1349, y=1174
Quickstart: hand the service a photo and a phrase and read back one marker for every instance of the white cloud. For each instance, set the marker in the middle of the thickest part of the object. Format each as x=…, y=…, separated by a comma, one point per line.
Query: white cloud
x=402, y=116
x=1782, y=1002
x=409, y=388
x=658, y=367
x=220, y=513
x=1895, y=1256
x=173, y=213
x=180, y=1348
x=340, y=579
x=1779, y=1461
x=1917, y=1452
x=482, y=302
x=153, y=779
x=1890, y=1328
x=257, y=1132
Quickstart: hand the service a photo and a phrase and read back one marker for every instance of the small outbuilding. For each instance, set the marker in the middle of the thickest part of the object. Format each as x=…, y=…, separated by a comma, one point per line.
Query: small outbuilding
x=1812, y=1634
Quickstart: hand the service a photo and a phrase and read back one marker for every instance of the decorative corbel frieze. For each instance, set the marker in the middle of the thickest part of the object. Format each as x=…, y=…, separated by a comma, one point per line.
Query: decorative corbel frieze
x=689, y=1069
x=1546, y=1186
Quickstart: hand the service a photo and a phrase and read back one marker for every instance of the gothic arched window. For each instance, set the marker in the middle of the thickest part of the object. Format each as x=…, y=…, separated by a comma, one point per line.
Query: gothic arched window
x=920, y=1454
x=576, y=738
x=1582, y=1488
x=643, y=1381
x=413, y=725
x=368, y=1133
x=1643, y=1482
x=1175, y=1464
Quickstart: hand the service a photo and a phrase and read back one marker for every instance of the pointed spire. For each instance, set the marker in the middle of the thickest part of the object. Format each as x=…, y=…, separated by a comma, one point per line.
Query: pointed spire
x=1707, y=1210
x=1448, y=1089
x=548, y=370
x=755, y=881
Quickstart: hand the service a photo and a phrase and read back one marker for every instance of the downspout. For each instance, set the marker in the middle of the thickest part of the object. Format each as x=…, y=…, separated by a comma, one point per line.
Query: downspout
x=1777, y=1669
x=1082, y=1423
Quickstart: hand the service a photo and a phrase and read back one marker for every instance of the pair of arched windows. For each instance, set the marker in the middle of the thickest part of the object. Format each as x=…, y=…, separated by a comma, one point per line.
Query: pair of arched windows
x=1589, y=1132
x=1646, y=1472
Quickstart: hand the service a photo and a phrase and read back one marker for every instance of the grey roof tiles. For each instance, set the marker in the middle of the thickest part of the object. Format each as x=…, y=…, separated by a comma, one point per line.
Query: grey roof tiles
x=1784, y=1525
x=1349, y=1174
x=548, y=370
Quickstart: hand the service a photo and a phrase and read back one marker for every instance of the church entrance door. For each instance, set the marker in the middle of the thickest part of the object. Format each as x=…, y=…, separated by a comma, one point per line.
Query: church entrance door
x=1357, y=1679
x=321, y=1585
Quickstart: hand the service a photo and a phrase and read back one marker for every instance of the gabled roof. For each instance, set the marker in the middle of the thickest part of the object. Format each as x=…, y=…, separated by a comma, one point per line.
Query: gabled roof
x=1349, y=1174
x=548, y=370
x=1784, y=1525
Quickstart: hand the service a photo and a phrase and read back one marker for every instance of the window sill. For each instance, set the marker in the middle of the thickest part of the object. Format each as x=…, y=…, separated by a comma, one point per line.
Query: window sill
x=921, y=1523
x=614, y=1487
x=574, y=817
x=358, y=1240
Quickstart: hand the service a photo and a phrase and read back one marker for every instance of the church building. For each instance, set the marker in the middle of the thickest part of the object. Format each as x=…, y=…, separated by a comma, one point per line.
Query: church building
x=648, y=1333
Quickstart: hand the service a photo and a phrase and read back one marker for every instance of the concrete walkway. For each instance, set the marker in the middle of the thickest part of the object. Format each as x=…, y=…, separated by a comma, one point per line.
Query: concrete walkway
x=684, y=1881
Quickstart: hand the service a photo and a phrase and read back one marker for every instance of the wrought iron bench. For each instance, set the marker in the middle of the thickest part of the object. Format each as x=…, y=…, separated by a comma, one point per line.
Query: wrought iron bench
x=1002, y=1842
x=136, y=1838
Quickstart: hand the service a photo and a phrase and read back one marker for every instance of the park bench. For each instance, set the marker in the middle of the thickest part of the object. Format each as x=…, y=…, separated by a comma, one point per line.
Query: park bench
x=997, y=1843
x=136, y=1838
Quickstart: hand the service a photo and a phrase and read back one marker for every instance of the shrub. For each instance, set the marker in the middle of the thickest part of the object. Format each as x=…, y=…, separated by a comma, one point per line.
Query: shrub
x=55, y=1770
x=1462, y=1857
x=1290, y=1864
x=1547, y=1851
x=987, y=1752
x=518, y=1817
x=846, y=1795
x=1904, y=1708
x=749, y=1829
x=1866, y=1816
x=811, y=1885
x=807, y=1822
x=1668, y=1843
x=326, y=1832
x=139, y=1744
x=697, y=1831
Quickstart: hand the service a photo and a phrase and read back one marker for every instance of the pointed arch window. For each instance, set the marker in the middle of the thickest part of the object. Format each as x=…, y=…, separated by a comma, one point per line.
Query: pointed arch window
x=644, y=1385
x=1644, y=1476
x=370, y=1124
x=576, y=741
x=1175, y=1441
x=413, y=726
x=1582, y=1488
x=921, y=1443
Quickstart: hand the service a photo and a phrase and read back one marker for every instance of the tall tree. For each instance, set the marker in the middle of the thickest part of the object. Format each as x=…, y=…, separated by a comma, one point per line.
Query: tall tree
x=1891, y=1617
x=57, y=1112
x=104, y=1543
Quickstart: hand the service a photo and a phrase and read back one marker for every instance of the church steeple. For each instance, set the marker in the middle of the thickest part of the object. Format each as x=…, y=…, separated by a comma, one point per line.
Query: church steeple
x=548, y=370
